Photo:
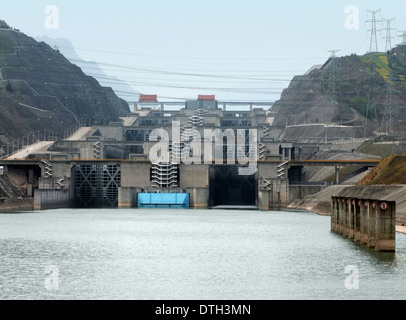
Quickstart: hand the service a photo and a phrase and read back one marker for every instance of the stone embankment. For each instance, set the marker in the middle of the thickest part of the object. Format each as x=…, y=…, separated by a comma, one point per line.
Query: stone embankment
x=12, y=197
x=15, y=205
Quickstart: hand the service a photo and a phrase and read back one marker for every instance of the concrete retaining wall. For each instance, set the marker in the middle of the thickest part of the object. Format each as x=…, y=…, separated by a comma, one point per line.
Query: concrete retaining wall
x=52, y=199
x=301, y=192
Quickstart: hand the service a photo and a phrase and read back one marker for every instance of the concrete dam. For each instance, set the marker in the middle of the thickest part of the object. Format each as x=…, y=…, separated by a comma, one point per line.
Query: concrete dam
x=117, y=183
x=105, y=183
x=230, y=158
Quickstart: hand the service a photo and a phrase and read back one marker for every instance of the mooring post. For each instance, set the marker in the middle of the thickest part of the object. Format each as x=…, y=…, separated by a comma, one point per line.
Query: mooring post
x=385, y=226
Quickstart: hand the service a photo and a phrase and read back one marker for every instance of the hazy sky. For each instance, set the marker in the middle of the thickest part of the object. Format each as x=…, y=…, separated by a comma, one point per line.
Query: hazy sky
x=238, y=50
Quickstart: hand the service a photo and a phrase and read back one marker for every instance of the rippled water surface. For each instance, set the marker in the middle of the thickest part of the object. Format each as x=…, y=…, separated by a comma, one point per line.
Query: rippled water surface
x=197, y=254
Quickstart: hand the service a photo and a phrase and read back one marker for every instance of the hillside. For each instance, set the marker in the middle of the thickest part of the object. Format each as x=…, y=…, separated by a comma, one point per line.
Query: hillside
x=91, y=68
x=391, y=171
x=357, y=80
x=41, y=90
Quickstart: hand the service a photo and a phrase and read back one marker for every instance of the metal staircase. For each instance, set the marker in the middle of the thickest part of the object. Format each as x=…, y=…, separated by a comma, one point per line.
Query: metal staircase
x=266, y=131
x=196, y=121
x=188, y=134
x=261, y=151
x=164, y=175
x=266, y=184
x=201, y=112
x=48, y=169
x=59, y=184
x=96, y=150
x=282, y=170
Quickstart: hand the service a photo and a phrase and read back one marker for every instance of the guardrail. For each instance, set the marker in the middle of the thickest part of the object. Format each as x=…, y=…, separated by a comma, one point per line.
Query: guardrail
x=311, y=183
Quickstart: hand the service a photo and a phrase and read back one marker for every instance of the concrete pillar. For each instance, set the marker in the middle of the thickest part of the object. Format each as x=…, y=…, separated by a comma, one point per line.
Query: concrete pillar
x=337, y=176
x=37, y=200
x=341, y=228
x=371, y=223
x=346, y=216
x=338, y=216
x=333, y=213
x=263, y=200
x=385, y=226
x=357, y=220
x=30, y=183
x=364, y=221
x=350, y=220
x=162, y=107
x=199, y=198
x=127, y=197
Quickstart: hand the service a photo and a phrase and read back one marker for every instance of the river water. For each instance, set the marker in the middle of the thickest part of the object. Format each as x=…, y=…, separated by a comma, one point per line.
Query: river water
x=189, y=254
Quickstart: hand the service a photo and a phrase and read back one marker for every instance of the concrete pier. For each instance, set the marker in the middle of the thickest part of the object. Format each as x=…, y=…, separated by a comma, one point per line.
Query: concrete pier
x=357, y=221
x=350, y=220
x=366, y=221
x=385, y=226
x=334, y=213
x=371, y=223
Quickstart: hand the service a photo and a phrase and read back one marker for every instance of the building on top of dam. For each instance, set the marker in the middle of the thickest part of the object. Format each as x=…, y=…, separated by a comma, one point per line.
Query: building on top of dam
x=129, y=138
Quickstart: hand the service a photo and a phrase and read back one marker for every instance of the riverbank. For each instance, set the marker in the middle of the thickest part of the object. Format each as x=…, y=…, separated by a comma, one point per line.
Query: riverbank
x=320, y=203
x=15, y=205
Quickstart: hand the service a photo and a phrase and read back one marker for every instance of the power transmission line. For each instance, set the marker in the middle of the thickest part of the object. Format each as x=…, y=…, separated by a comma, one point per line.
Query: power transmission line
x=388, y=37
x=403, y=36
x=373, y=46
x=389, y=112
x=332, y=90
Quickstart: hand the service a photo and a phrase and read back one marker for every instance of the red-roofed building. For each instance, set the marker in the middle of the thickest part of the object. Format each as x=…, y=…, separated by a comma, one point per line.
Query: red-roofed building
x=204, y=102
x=206, y=97
x=148, y=98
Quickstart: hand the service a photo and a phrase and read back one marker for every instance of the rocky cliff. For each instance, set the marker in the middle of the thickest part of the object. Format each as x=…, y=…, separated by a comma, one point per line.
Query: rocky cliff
x=40, y=89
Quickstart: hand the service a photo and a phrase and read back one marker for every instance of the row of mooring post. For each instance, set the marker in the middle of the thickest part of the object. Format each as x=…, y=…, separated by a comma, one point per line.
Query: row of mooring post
x=368, y=222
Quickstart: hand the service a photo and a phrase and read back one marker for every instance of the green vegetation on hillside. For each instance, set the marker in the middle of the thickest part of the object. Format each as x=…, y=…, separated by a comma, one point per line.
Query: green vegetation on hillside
x=390, y=66
x=381, y=62
x=360, y=104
